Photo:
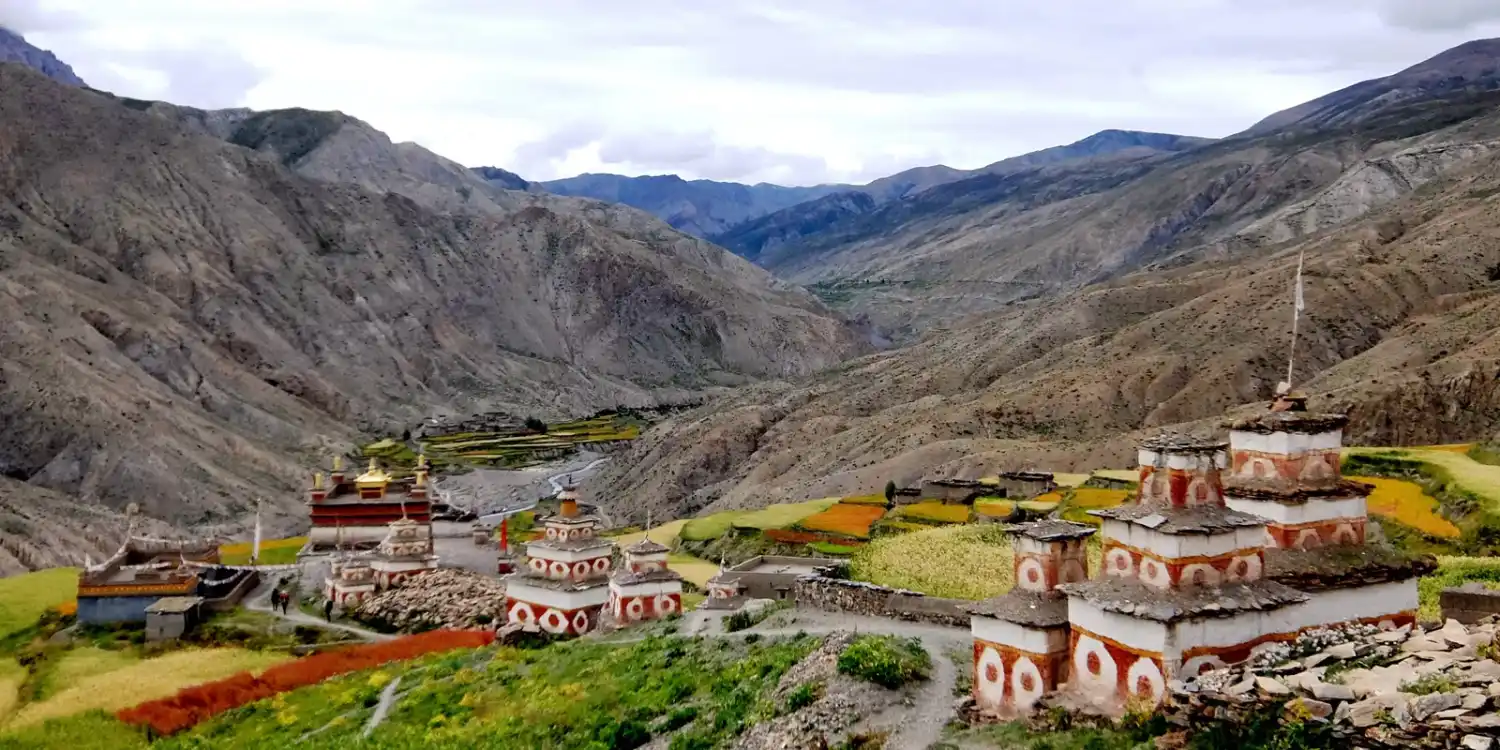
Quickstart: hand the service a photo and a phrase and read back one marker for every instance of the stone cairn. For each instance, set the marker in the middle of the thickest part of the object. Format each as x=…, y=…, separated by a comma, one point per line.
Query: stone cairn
x=447, y=598
x=1436, y=688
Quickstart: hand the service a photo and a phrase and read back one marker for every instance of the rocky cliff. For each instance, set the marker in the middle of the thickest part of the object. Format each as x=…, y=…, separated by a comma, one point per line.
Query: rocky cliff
x=190, y=322
x=15, y=49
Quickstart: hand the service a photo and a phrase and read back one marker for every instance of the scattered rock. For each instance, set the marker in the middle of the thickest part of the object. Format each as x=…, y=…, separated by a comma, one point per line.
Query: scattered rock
x=1477, y=742
x=1424, y=706
x=1326, y=692
x=1314, y=660
x=1475, y=701
x=1343, y=651
x=444, y=598
x=1310, y=707
x=1452, y=713
x=1422, y=643
x=1272, y=686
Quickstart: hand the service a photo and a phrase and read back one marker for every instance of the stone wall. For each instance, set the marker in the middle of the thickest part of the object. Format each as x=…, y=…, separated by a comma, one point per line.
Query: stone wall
x=857, y=597
x=225, y=594
x=1470, y=603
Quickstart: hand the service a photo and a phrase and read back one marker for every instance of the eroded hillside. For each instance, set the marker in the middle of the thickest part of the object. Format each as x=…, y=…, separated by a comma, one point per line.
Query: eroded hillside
x=190, y=321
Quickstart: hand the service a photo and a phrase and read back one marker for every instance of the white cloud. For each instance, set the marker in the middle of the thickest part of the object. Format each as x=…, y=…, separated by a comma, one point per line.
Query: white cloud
x=789, y=90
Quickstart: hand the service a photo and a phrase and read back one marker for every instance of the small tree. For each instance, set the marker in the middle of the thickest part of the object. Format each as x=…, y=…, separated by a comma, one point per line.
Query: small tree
x=535, y=425
x=890, y=492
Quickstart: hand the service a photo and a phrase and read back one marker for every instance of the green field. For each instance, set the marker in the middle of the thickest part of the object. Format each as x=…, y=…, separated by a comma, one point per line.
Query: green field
x=24, y=598
x=569, y=696
x=272, y=551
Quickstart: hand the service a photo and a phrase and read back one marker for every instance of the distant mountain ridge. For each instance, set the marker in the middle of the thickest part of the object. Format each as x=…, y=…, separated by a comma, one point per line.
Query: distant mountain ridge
x=711, y=209
x=15, y=48
x=698, y=207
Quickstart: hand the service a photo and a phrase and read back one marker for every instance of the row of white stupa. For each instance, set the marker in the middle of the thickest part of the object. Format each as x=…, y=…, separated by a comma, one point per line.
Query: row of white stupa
x=567, y=585
x=1222, y=551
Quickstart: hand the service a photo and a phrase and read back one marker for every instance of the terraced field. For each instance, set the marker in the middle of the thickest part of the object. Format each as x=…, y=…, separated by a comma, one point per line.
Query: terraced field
x=24, y=598
x=520, y=449
x=272, y=551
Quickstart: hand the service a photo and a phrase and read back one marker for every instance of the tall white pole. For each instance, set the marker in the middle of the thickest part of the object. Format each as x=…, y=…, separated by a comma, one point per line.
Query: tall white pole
x=1297, y=305
x=255, y=547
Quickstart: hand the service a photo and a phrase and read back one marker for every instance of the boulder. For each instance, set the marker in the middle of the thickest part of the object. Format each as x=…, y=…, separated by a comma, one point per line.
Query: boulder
x=1424, y=706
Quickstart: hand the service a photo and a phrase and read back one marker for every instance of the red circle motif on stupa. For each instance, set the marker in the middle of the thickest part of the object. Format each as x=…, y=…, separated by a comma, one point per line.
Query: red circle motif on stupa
x=991, y=674
x=1093, y=664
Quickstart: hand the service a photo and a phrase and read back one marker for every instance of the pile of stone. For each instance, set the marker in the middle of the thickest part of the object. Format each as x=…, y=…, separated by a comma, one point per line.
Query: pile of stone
x=1410, y=687
x=446, y=598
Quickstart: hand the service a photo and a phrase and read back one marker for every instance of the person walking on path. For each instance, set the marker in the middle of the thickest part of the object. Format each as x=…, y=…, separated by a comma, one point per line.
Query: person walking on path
x=328, y=610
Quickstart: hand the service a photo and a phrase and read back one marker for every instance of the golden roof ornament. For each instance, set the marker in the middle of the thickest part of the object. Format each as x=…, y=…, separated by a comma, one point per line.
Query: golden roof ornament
x=373, y=477
x=317, y=480
x=338, y=464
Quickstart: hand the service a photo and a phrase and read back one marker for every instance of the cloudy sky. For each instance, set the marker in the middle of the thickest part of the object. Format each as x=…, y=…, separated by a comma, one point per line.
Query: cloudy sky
x=788, y=91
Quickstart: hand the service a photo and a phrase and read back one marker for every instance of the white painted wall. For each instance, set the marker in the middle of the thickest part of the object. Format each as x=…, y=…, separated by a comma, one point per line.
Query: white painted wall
x=651, y=588
x=565, y=600
x=1134, y=632
x=1285, y=443
x=1314, y=510
x=541, y=550
x=1033, y=640
x=1173, y=546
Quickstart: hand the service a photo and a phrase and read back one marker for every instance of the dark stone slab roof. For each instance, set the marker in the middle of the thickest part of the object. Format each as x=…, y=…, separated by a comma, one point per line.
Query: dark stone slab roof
x=1289, y=421
x=1052, y=530
x=1345, y=565
x=1172, y=442
x=530, y=578
x=647, y=547
x=626, y=577
x=1203, y=519
x=1128, y=596
x=1293, y=493
x=1029, y=608
x=1027, y=475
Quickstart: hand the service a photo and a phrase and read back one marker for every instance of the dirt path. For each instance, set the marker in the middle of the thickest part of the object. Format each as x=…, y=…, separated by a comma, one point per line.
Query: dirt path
x=923, y=723
x=259, y=600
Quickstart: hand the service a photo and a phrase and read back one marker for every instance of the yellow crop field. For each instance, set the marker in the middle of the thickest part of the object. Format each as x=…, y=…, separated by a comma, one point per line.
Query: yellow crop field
x=79, y=664
x=692, y=568
x=1069, y=480
x=1405, y=503
x=1480, y=479
x=272, y=551
x=962, y=562
x=1093, y=497
x=784, y=515
x=24, y=598
x=845, y=518
x=143, y=681
x=1450, y=448
x=1119, y=475
x=664, y=534
x=936, y=510
x=864, y=499
x=995, y=508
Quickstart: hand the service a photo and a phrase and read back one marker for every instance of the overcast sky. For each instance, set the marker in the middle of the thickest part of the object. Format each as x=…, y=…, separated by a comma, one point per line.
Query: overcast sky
x=787, y=91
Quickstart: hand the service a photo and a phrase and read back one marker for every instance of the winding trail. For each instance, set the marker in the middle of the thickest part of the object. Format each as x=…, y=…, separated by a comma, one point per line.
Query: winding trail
x=260, y=601
x=925, y=719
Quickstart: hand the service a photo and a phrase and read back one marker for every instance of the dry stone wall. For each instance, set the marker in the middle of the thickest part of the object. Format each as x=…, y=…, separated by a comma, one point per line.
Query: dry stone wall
x=858, y=597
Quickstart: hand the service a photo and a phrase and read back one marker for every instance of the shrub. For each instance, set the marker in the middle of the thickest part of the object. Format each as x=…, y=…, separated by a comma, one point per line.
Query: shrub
x=885, y=660
x=803, y=695
x=828, y=548
x=1429, y=685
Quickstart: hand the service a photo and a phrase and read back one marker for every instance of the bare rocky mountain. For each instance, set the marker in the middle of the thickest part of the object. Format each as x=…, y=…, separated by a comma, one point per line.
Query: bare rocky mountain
x=15, y=49
x=191, y=322
x=1042, y=230
x=1162, y=297
x=502, y=178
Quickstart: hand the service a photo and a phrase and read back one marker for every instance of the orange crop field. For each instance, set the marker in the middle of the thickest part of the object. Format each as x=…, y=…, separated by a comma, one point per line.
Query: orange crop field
x=1092, y=497
x=845, y=518
x=1404, y=502
x=995, y=508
